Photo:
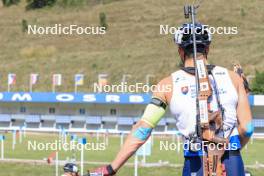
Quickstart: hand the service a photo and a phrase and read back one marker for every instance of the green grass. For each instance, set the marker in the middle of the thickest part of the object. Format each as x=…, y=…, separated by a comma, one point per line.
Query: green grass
x=132, y=44
x=15, y=169
x=251, y=156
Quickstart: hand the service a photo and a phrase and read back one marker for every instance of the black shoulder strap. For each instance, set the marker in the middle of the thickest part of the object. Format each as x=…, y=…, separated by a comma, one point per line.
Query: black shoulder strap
x=191, y=70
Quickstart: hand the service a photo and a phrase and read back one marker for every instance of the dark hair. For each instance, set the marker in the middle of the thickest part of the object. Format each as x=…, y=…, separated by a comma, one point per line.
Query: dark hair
x=201, y=49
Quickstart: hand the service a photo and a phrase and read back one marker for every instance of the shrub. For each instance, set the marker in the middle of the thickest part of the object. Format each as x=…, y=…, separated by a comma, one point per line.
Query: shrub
x=103, y=22
x=37, y=4
x=258, y=83
x=24, y=24
x=242, y=12
x=8, y=3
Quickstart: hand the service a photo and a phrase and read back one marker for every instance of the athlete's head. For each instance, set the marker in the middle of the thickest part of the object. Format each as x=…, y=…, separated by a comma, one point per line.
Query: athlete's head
x=71, y=169
x=184, y=39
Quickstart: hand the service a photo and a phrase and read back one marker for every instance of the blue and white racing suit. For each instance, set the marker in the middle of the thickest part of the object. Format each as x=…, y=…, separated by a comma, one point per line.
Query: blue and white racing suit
x=182, y=106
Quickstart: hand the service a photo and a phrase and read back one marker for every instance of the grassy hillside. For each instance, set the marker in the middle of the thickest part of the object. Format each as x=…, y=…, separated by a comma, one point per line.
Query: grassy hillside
x=132, y=44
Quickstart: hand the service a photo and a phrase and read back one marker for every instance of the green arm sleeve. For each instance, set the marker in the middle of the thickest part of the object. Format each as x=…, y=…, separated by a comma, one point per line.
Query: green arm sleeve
x=153, y=114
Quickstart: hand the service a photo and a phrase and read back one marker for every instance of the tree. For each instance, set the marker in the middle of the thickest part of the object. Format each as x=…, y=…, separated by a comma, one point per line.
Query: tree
x=37, y=4
x=103, y=21
x=8, y=3
x=258, y=83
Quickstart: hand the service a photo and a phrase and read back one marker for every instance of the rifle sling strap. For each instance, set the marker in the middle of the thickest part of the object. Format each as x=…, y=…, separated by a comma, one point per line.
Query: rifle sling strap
x=212, y=165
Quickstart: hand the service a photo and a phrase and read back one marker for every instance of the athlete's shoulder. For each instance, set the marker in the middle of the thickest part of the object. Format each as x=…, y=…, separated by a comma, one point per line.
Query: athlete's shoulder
x=163, y=89
x=177, y=73
x=219, y=69
x=166, y=80
x=169, y=79
x=236, y=79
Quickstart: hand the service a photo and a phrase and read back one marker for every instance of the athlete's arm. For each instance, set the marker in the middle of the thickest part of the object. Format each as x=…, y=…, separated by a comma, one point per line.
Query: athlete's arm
x=141, y=130
x=245, y=126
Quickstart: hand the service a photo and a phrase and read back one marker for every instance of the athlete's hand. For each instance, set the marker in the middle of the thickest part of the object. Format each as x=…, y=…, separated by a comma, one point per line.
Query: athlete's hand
x=104, y=171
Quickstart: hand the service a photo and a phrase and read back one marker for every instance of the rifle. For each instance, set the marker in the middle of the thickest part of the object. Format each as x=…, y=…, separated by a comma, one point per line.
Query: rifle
x=207, y=124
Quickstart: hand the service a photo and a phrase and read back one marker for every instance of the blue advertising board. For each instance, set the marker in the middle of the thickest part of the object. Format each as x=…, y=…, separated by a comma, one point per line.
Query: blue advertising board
x=98, y=98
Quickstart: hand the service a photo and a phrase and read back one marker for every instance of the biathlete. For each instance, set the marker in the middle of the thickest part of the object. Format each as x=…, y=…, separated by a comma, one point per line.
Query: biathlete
x=70, y=169
x=227, y=86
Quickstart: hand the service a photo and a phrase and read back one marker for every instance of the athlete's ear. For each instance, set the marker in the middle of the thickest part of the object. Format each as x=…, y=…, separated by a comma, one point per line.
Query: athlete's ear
x=181, y=53
x=207, y=50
